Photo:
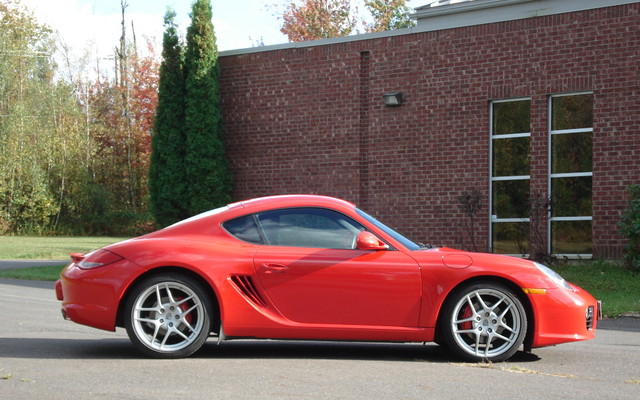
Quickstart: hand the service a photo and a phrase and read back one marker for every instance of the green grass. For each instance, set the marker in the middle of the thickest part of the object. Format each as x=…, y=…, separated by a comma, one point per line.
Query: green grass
x=48, y=273
x=49, y=247
x=617, y=286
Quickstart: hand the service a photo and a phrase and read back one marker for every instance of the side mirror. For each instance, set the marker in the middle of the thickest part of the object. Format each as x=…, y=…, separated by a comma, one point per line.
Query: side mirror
x=368, y=241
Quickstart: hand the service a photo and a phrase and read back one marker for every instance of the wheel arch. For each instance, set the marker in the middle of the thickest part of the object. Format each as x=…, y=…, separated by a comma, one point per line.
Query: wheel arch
x=517, y=290
x=172, y=270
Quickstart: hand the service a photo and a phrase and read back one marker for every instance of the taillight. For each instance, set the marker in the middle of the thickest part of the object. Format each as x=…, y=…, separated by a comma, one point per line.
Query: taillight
x=95, y=259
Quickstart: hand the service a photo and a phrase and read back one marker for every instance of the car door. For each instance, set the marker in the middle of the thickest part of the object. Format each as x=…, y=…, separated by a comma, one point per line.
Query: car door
x=313, y=274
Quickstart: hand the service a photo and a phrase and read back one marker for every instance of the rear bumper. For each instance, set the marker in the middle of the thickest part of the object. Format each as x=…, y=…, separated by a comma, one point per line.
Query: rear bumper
x=92, y=296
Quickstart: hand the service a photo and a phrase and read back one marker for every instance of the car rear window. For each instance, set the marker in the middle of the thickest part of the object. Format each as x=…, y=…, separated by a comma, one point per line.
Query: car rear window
x=244, y=228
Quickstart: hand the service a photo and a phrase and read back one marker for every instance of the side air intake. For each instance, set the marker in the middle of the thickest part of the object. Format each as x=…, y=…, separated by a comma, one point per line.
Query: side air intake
x=244, y=283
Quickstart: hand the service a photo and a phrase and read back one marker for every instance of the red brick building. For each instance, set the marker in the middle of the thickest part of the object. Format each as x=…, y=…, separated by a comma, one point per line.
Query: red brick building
x=502, y=100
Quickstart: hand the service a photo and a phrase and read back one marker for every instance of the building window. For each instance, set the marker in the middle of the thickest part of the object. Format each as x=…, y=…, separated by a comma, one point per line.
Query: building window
x=570, y=173
x=509, y=191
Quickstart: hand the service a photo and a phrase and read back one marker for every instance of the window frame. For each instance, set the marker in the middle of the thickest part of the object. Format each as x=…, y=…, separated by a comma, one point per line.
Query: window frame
x=492, y=217
x=265, y=236
x=551, y=175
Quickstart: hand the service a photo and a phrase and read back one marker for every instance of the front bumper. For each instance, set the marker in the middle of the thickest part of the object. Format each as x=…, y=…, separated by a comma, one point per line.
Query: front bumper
x=563, y=315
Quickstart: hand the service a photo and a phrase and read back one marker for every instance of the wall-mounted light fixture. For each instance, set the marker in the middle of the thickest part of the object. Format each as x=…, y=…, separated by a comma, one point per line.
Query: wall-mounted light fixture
x=392, y=99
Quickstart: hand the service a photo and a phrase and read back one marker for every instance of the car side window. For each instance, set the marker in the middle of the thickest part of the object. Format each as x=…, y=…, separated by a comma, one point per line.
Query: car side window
x=309, y=227
x=244, y=228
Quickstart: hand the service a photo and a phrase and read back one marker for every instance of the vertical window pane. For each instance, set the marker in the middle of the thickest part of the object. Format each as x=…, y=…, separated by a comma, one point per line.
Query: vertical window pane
x=571, y=153
x=571, y=197
x=571, y=237
x=572, y=112
x=511, y=117
x=510, y=237
x=510, y=199
x=511, y=157
x=510, y=160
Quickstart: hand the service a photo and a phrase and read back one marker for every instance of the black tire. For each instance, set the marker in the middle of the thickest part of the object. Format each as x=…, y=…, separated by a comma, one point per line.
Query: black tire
x=168, y=316
x=484, y=321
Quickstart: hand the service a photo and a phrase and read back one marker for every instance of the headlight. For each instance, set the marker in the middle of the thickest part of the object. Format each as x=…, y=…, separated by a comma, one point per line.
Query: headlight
x=554, y=276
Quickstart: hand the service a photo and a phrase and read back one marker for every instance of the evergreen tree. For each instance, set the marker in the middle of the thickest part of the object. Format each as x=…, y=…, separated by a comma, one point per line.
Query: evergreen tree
x=167, y=177
x=208, y=178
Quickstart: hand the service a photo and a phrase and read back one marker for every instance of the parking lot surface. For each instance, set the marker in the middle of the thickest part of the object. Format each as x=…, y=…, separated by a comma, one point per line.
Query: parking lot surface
x=43, y=356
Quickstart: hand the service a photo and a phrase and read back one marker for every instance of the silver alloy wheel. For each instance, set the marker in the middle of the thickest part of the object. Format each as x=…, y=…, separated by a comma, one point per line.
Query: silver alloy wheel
x=487, y=323
x=168, y=316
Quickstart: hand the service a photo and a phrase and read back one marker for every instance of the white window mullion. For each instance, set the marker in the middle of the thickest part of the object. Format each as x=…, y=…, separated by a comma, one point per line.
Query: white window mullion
x=571, y=175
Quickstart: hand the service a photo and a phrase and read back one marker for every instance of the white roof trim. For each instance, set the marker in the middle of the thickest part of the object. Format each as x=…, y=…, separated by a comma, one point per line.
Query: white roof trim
x=480, y=12
x=455, y=15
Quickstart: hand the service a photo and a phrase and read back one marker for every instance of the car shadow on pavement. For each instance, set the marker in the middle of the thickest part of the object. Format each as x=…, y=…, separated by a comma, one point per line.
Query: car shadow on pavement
x=429, y=352
x=44, y=348
x=121, y=348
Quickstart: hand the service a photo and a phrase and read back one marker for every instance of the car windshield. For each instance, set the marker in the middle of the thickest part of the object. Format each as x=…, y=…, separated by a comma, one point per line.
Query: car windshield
x=408, y=243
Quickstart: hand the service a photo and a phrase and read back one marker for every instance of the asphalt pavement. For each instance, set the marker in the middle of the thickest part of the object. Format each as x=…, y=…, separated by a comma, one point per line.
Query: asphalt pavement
x=44, y=356
x=15, y=264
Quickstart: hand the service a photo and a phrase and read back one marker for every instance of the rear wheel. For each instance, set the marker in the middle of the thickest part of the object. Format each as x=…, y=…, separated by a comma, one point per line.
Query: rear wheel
x=484, y=321
x=168, y=316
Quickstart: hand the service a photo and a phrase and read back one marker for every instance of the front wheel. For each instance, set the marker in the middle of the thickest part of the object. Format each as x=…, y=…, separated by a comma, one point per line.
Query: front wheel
x=484, y=321
x=168, y=316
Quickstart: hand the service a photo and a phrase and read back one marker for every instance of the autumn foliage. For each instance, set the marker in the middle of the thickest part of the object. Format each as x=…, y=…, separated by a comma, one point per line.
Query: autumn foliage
x=322, y=19
x=388, y=15
x=74, y=149
x=317, y=19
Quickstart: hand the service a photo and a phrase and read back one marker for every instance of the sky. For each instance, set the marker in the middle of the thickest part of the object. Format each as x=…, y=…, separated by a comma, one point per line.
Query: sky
x=81, y=23
x=95, y=24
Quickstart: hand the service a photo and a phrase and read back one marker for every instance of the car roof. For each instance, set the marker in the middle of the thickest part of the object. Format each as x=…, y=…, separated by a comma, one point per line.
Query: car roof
x=202, y=222
x=293, y=200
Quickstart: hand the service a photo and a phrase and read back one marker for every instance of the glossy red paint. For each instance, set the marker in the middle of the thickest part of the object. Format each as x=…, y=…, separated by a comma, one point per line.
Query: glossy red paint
x=274, y=291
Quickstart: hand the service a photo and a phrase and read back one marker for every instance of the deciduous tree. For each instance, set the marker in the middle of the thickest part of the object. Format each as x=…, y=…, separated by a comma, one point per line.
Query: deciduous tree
x=388, y=15
x=119, y=110
x=317, y=19
x=39, y=126
x=320, y=19
x=73, y=153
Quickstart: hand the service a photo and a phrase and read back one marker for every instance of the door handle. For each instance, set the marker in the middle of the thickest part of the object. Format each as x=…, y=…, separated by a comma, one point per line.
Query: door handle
x=270, y=268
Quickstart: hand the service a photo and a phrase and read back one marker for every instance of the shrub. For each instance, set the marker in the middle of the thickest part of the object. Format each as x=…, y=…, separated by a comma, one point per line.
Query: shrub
x=630, y=228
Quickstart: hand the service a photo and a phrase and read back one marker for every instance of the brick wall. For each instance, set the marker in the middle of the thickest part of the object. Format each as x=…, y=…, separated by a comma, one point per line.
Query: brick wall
x=311, y=119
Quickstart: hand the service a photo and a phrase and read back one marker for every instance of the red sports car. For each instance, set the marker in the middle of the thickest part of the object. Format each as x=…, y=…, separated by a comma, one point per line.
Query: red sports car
x=315, y=267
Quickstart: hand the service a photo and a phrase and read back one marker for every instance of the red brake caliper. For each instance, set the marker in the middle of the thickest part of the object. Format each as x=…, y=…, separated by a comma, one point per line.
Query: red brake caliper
x=184, y=307
x=466, y=313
